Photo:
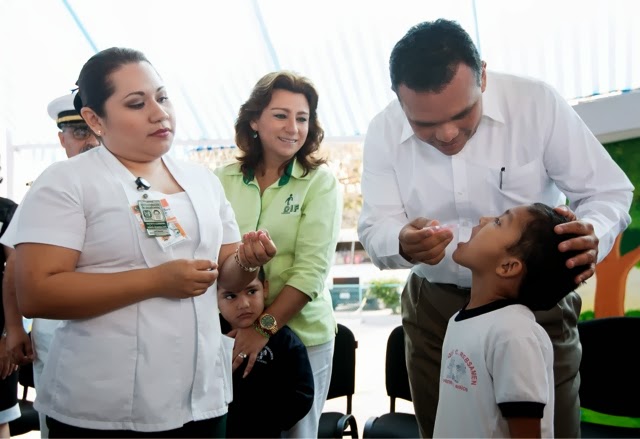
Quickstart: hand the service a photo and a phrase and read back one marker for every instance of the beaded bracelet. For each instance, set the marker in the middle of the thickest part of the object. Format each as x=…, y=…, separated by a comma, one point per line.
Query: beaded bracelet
x=261, y=331
x=245, y=268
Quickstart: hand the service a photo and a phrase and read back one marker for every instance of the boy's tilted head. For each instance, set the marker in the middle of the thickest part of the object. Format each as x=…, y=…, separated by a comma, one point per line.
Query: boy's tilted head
x=241, y=309
x=519, y=249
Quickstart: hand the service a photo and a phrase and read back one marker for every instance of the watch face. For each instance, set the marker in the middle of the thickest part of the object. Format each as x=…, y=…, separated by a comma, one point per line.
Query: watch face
x=267, y=321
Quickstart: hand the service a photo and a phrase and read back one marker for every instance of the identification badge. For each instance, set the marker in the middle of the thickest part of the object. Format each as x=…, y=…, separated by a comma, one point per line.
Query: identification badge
x=153, y=218
x=175, y=232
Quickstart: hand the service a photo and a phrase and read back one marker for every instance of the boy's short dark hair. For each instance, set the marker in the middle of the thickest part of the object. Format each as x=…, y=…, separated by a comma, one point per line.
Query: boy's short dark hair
x=547, y=279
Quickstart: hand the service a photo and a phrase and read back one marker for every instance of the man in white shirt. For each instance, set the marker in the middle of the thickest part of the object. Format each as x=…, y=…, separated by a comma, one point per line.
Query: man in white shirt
x=460, y=142
x=75, y=137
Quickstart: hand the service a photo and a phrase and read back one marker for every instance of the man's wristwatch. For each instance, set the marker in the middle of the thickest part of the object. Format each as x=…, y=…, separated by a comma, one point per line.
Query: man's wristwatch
x=266, y=325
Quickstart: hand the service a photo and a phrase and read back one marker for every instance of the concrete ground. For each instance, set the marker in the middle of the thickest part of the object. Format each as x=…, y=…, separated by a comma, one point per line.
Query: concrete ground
x=371, y=329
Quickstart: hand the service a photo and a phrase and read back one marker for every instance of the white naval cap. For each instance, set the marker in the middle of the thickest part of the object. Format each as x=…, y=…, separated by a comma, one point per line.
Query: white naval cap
x=62, y=111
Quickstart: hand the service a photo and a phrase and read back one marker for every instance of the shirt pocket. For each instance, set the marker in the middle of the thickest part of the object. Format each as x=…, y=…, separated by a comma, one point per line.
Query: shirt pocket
x=95, y=377
x=517, y=185
x=226, y=358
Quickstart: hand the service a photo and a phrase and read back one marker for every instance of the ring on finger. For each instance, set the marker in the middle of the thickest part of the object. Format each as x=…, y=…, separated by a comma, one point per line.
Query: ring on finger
x=242, y=355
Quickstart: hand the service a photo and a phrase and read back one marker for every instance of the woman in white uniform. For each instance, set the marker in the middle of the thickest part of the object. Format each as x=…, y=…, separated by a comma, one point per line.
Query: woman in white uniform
x=139, y=352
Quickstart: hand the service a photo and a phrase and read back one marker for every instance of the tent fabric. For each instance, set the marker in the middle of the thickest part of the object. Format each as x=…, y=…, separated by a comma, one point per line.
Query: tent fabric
x=211, y=53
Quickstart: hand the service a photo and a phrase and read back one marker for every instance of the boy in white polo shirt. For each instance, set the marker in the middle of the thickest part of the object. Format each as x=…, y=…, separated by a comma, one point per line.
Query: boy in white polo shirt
x=496, y=378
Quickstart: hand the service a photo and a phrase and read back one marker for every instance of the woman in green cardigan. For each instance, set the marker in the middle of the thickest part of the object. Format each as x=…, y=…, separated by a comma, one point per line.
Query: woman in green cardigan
x=279, y=184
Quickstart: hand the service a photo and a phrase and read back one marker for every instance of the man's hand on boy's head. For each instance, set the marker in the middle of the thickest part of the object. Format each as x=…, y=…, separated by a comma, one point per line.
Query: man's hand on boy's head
x=587, y=242
x=422, y=240
x=566, y=212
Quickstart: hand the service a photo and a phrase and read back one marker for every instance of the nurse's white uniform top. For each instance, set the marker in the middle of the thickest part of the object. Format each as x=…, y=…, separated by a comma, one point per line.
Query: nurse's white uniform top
x=153, y=365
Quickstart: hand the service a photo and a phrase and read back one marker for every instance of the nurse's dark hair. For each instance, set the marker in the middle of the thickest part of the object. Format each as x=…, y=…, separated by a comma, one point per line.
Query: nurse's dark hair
x=94, y=82
x=547, y=279
x=427, y=57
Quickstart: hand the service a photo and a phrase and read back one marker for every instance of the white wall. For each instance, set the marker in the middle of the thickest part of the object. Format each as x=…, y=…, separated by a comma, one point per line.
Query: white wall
x=612, y=118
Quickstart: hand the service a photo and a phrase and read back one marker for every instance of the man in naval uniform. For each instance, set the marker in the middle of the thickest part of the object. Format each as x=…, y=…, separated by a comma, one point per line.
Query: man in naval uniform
x=75, y=136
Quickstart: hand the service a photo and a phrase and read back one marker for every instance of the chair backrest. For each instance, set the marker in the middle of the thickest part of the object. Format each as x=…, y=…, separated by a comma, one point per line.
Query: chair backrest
x=343, y=377
x=343, y=383
x=607, y=378
x=394, y=424
x=396, y=376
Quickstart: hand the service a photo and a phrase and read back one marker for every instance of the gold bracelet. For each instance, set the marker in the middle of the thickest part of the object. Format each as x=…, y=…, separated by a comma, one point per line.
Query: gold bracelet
x=245, y=268
x=261, y=331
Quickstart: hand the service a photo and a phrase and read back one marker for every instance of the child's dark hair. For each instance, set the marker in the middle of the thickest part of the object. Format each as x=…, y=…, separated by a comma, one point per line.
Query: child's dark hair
x=547, y=279
x=262, y=276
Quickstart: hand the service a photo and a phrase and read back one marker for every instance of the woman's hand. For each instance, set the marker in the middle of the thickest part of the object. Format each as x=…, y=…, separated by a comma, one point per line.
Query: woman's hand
x=19, y=346
x=7, y=367
x=256, y=249
x=249, y=343
x=184, y=278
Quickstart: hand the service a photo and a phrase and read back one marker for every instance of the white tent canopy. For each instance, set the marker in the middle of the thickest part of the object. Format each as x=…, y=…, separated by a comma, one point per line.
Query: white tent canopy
x=211, y=53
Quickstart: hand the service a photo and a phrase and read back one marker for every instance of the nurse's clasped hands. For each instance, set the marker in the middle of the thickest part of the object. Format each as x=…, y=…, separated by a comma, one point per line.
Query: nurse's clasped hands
x=184, y=278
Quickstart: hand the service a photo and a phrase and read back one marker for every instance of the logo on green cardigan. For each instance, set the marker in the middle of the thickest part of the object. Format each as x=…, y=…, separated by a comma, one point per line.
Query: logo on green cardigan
x=290, y=206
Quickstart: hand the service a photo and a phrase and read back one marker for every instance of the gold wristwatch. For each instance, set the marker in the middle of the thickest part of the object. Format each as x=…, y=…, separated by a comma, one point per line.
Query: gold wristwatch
x=266, y=325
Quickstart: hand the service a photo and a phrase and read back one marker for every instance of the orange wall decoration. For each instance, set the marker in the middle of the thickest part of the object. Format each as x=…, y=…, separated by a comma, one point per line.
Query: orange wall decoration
x=611, y=283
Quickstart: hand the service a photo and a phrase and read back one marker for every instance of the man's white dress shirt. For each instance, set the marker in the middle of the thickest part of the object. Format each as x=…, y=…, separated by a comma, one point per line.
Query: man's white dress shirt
x=528, y=129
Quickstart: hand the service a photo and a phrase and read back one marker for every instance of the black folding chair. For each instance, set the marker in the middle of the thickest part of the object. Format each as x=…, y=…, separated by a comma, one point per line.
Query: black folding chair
x=394, y=424
x=609, y=389
x=343, y=381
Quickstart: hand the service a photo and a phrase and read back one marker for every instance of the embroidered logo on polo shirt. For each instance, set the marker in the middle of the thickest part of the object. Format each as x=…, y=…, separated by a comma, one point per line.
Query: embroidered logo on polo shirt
x=461, y=373
x=265, y=355
x=290, y=206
